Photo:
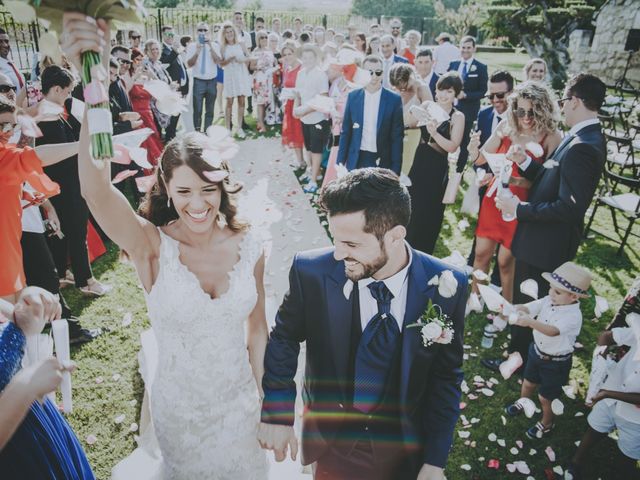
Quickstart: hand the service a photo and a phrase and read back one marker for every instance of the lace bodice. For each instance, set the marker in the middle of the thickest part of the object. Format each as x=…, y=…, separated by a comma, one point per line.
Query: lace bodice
x=204, y=399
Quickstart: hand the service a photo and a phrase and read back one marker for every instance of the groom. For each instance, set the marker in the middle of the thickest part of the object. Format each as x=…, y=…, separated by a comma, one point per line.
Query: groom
x=378, y=403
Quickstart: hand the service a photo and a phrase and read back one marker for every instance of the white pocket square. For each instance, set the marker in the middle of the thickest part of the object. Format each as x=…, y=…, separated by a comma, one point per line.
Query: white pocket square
x=356, y=125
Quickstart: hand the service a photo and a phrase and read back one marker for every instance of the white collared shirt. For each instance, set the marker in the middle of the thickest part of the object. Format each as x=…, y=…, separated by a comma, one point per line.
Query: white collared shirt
x=625, y=375
x=397, y=285
x=566, y=318
x=387, y=63
x=427, y=80
x=461, y=66
x=9, y=71
x=369, y=140
x=443, y=55
x=210, y=68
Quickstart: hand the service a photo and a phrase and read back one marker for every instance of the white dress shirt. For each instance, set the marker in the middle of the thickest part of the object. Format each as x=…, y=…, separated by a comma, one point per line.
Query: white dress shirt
x=310, y=83
x=397, y=285
x=566, y=318
x=369, y=140
x=462, y=64
x=11, y=70
x=210, y=68
x=625, y=375
x=387, y=63
x=443, y=55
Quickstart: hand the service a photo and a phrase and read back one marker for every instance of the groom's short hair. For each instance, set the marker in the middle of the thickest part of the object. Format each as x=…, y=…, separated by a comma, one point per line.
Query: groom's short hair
x=375, y=191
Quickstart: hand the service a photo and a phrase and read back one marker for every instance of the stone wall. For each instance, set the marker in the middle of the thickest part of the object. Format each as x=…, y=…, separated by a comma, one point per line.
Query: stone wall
x=606, y=56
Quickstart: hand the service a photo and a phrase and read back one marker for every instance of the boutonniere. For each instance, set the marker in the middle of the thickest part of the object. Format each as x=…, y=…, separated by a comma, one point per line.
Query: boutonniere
x=473, y=68
x=435, y=326
x=356, y=125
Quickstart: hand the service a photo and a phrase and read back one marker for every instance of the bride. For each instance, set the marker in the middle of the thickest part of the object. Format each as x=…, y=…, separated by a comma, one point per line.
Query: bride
x=202, y=273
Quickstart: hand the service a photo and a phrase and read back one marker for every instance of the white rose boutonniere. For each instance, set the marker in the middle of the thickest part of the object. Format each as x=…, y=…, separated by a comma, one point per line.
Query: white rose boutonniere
x=356, y=125
x=435, y=326
x=446, y=282
x=473, y=68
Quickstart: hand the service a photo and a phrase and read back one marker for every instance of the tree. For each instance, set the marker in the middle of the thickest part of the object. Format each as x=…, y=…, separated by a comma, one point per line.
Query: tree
x=542, y=27
x=400, y=8
x=464, y=18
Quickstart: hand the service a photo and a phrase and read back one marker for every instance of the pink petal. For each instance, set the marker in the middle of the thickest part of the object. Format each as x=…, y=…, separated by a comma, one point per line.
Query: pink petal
x=122, y=155
x=493, y=463
x=519, y=443
x=123, y=175
x=99, y=380
x=91, y=439
x=95, y=93
x=216, y=176
x=511, y=467
x=463, y=405
x=146, y=183
x=550, y=454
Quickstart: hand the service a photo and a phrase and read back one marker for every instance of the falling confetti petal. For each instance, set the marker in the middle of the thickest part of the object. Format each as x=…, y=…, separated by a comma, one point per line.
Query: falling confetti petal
x=557, y=407
x=119, y=419
x=532, y=452
x=127, y=319
x=99, y=380
x=522, y=467
x=530, y=288
x=91, y=439
x=511, y=467
x=519, y=443
x=569, y=391
x=492, y=437
x=464, y=434
x=133, y=427
x=493, y=463
x=551, y=455
x=601, y=306
x=558, y=469
x=466, y=467
x=550, y=164
x=501, y=442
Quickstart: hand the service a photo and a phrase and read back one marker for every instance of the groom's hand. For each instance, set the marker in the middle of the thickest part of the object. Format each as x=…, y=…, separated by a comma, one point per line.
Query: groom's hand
x=278, y=438
x=429, y=472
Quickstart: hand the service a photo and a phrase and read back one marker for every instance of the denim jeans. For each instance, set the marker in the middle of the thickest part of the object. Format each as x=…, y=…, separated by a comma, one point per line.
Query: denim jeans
x=203, y=90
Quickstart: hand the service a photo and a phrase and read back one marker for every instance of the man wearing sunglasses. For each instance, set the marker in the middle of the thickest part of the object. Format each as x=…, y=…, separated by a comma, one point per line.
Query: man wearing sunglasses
x=176, y=69
x=135, y=39
x=7, y=88
x=373, y=126
x=474, y=76
x=7, y=66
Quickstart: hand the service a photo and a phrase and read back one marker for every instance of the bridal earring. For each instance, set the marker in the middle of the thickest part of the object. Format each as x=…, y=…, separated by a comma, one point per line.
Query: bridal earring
x=168, y=201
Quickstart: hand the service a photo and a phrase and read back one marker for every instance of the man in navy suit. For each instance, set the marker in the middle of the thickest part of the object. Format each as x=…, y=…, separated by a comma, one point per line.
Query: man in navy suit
x=474, y=76
x=372, y=126
x=380, y=404
x=425, y=71
x=176, y=69
x=551, y=222
x=389, y=57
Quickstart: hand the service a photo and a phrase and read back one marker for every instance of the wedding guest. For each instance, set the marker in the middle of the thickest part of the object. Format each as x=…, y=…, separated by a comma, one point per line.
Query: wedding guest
x=276, y=29
x=35, y=439
x=559, y=196
x=177, y=71
x=330, y=35
x=318, y=36
x=310, y=82
x=430, y=169
x=535, y=69
x=474, y=77
x=425, y=71
x=123, y=55
x=203, y=56
x=352, y=31
x=242, y=34
x=135, y=39
x=291, y=126
x=152, y=51
x=532, y=117
x=297, y=27
x=372, y=127
x=329, y=51
x=57, y=84
x=237, y=82
x=360, y=42
x=287, y=35
x=187, y=116
x=374, y=29
x=387, y=49
x=413, y=93
x=411, y=46
x=396, y=32
x=273, y=113
x=263, y=63
x=445, y=53
x=258, y=26
x=339, y=39
x=373, y=48
x=7, y=66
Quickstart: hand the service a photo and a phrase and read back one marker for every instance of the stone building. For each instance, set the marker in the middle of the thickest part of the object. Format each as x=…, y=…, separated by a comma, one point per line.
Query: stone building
x=602, y=51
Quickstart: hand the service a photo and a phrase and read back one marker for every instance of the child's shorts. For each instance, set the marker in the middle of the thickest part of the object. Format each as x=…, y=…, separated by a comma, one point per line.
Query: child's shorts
x=603, y=418
x=550, y=374
x=316, y=136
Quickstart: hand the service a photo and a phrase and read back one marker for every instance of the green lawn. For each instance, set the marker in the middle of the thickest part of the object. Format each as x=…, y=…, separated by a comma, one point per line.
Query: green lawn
x=107, y=384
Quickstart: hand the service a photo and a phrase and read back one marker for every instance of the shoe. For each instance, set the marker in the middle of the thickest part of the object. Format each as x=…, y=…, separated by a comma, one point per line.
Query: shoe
x=312, y=187
x=514, y=409
x=305, y=177
x=491, y=363
x=84, y=335
x=67, y=280
x=240, y=133
x=539, y=430
x=95, y=289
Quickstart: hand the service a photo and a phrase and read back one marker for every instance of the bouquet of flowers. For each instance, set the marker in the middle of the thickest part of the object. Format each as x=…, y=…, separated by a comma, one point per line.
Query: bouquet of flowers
x=50, y=14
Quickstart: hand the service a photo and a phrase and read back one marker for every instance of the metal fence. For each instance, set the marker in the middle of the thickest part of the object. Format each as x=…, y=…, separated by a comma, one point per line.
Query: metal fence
x=23, y=40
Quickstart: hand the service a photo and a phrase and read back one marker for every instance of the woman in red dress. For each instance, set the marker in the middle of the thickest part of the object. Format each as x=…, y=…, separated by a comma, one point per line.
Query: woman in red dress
x=531, y=123
x=141, y=103
x=291, y=126
x=411, y=50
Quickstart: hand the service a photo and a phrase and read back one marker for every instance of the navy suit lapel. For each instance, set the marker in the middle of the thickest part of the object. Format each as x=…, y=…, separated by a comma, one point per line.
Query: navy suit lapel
x=418, y=295
x=381, y=109
x=340, y=311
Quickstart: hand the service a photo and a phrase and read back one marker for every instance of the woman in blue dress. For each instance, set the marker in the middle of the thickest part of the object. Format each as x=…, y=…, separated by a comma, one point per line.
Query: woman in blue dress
x=36, y=442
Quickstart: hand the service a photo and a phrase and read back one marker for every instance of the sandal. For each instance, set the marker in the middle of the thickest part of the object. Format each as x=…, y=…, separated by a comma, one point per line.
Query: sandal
x=539, y=430
x=94, y=289
x=67, y=280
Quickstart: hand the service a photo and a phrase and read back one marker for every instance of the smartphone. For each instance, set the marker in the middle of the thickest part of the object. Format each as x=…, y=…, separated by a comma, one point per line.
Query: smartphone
x=474, y=127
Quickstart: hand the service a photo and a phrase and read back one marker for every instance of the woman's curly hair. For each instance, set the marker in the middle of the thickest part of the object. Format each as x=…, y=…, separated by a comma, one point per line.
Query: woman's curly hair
x=187, y=150
x=546, y=114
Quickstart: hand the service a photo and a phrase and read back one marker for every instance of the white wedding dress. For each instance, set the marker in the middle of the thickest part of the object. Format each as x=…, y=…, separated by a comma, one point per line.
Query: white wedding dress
x=203, y=397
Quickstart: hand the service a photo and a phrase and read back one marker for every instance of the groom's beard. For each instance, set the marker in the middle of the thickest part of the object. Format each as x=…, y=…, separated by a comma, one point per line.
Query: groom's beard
x=366, y=270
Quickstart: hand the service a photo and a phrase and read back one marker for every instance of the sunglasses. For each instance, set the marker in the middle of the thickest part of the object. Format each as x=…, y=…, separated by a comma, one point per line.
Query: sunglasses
x=7, y=88
x=521, y=113
x=566, y=99
x=7, y=127
x=137, y=37
x=499, y=95
x=378, y=73
x=203, y=30
x=124, y=61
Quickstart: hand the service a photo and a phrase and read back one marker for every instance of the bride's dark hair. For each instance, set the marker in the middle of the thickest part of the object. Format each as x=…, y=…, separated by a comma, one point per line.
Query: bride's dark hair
x=187, y=150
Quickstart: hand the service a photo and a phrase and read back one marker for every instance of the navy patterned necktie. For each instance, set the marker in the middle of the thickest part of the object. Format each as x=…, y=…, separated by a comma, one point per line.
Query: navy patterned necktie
x=375, y=352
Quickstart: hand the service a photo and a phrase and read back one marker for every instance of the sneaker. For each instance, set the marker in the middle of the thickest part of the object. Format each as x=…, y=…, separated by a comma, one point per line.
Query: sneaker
x=68, y=279
x=95, y=289
x=84, y=335
x=539, y=430
x=491, y=364
x=312, y=187
x=240, y=133
x=305, y=177
x=514, y=409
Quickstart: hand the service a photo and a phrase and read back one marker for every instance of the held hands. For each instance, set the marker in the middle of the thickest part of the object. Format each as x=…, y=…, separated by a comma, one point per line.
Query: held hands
x=429, y=472
x=524, y=320
x=516, y=154
x=43, y=377
x=34, y=308
x=278, y=438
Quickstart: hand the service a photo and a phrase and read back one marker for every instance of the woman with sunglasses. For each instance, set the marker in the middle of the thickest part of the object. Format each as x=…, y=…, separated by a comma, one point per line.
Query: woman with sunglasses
x=532, y=117
x=262, y=63
x=430, y=169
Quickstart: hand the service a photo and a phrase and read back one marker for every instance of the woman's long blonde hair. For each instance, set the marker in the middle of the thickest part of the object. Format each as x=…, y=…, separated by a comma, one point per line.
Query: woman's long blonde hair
x=546, y=115
x=223, y=39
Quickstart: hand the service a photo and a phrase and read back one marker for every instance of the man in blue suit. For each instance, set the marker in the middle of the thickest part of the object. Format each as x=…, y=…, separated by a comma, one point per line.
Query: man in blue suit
x=381, y=399
x=372, y=126
x=425, y=71
x=389, y=57
x=474, y=76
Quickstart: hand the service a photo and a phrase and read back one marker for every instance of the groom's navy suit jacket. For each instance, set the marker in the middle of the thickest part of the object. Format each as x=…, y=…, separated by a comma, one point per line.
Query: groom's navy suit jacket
x=389, y=131
x=316, y=310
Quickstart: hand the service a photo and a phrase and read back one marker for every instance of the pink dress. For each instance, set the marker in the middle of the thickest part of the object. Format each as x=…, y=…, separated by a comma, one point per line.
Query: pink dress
x=339, y=91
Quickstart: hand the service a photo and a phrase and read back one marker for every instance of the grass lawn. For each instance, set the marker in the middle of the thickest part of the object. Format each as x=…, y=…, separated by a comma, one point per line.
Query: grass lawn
x=107, y=385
